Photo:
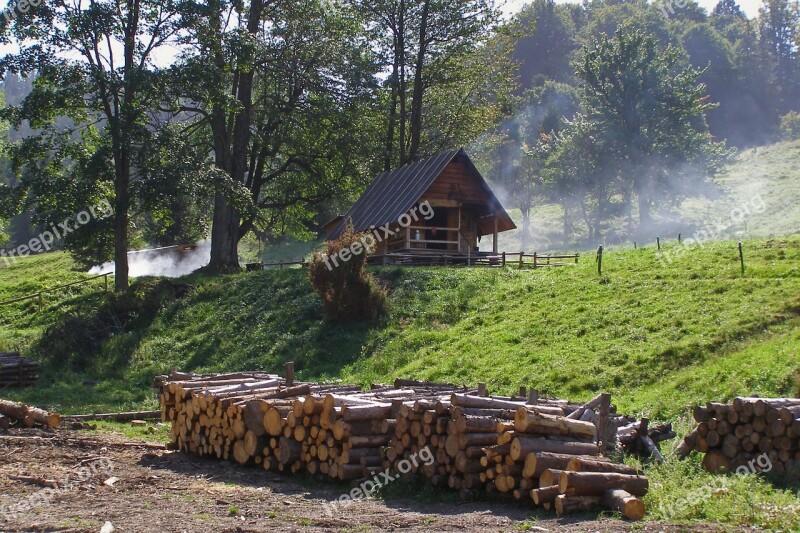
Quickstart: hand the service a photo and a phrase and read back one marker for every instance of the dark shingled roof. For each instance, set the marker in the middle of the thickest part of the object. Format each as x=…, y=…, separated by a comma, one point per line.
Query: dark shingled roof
x=395, y=193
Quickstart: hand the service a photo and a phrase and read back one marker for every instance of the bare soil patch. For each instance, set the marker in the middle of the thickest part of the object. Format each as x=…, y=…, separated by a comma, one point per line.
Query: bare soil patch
x=160, y=491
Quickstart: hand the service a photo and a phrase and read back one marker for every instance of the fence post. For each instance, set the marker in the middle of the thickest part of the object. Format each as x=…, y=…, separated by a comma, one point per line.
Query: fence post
x=741, y=255
x=533, y=397
x=105, y=279
x=535, y=260
x=577, y=257
x=658, y=241
x=289, y=374
x=600, y=261
x=680, y=238
x=635, y=247
x=504, y=259
x=521, y=259
x=482, y=390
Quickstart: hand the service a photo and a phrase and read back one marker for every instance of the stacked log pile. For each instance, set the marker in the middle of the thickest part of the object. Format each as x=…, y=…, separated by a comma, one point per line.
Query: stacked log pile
x=17, y=371
x=546, y=450
x=736, y=435
x=17, y=413
x=549, y=453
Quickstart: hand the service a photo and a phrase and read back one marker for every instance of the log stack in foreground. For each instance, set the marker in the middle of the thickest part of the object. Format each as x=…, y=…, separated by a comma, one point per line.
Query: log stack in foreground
x=17, y=371
x=749, y=434
x=17, y=413
x=546, y=450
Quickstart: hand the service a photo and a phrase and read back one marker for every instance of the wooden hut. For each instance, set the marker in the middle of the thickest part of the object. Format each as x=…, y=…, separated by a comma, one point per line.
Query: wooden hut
x=440, y=206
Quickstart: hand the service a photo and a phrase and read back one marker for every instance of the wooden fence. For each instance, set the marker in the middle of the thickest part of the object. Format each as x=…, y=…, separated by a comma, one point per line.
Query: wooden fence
x=519, y=260
x=40, y=295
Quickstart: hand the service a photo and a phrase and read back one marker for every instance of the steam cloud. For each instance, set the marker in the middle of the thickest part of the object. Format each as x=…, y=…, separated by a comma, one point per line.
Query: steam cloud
x=171, y=262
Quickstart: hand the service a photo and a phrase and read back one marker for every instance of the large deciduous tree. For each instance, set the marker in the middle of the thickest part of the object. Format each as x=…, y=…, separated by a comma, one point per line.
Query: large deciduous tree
x=94, y=64
x=277, y=88
x=652, y=111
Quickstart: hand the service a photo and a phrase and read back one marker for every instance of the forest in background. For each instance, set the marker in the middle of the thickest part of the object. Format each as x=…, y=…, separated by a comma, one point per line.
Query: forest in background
x=225, y=120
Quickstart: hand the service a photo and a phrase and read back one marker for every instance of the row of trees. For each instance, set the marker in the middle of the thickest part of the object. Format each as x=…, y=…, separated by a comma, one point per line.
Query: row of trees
x=624, y=106
x=266, y=114
x=228, y=118
x=751, y=67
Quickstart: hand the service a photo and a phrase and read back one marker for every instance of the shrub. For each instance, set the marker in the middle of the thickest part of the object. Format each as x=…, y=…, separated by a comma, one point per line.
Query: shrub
x=790, y=126
x=348, y=292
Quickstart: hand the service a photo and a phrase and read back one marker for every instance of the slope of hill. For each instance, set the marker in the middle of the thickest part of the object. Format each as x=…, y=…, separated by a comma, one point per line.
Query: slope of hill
x=691, y=330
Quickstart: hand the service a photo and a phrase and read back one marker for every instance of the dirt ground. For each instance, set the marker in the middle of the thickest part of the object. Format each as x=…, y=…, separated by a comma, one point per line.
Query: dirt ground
x=157, y=491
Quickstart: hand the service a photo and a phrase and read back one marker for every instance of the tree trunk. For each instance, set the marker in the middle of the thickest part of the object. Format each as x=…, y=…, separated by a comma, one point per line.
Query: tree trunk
x=419, y=85
x=121, y=207
x=232, y=150
x=395, y=82
x=526, y=227
x=401, y=52
x=224, y=236
x=644, y=207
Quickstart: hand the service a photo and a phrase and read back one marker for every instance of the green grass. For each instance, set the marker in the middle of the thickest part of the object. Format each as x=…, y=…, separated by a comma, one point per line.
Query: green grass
x=659, y=335
x=692, y=331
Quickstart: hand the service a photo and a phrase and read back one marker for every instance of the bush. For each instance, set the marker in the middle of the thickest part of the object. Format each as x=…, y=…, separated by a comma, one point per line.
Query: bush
x=348, y=292
x=790, y=126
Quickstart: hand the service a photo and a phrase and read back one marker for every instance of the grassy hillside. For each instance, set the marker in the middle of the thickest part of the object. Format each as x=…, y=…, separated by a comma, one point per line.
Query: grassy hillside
x=690, y=331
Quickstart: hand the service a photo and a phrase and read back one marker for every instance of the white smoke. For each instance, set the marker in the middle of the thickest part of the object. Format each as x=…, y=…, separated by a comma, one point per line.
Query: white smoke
x=170, y=262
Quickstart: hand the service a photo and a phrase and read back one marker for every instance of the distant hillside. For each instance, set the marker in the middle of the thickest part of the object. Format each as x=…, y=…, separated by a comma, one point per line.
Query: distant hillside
x=689, y=331
x=758, y=196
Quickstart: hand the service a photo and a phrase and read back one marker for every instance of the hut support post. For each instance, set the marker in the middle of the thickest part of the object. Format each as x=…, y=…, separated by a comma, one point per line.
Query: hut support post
x=494, y=243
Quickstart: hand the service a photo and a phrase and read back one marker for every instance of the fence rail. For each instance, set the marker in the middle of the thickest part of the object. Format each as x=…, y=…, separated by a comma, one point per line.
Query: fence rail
x=520, y=260
x=40, y=295
x=255, y=267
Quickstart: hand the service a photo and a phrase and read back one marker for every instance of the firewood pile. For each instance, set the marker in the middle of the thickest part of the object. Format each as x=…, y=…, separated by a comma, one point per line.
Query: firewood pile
x=17, y=371
x=12, y=413
x=735, y=435
x=546, y=450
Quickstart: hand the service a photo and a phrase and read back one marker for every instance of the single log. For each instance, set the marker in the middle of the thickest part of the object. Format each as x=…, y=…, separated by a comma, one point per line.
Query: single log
x=530, y=420
x=521, y=447
x=588, y=406
x=550, y=477
x=361, y=413
x=544, y=495
x=687, y=445
x=593, y=464
x=589, y=483
x=14, y=410
x=716, y=462
x=465, y=400
x=368, y=441
x=274, y=420
x=536, y=463
x=27, y=414
x=475, y=424
x=116, y=417
x=624, y=502
x=288, y=451
x=576, y=504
